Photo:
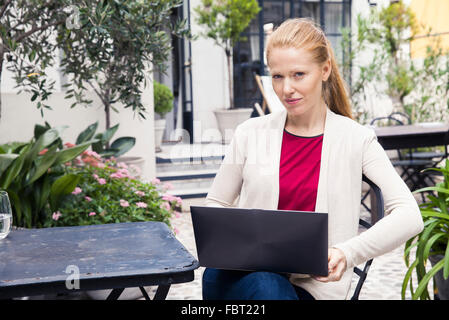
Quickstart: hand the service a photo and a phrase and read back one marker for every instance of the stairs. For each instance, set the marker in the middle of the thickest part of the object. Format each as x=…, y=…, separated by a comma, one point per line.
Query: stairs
x=189, y=168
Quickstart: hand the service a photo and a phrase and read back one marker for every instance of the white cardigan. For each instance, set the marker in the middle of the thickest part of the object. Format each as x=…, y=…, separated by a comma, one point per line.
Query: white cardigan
x=250, y=174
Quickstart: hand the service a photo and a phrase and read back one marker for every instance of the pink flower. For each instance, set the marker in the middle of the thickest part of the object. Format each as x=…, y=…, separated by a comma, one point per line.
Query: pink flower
x=117, y=175
x=101, y=181
x=141, y=204
x=88, y=199
x=69, y=145
x=95, y=176
x=140, y=193
x=77, y=190
x=177, y=214
x=92, y=213
x=176, y=230
x=168, y=186
x=166, y=206
x=122, y=165
x=124, y=203
x=155, y=181
x=168, y=197
x=44, y=151
x=56, y=215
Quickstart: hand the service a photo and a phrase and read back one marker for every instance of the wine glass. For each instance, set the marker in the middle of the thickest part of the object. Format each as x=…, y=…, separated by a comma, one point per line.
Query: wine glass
x=5, y=215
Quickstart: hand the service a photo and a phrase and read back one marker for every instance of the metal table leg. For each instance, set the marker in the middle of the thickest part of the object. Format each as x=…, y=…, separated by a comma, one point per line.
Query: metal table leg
x=115, y=294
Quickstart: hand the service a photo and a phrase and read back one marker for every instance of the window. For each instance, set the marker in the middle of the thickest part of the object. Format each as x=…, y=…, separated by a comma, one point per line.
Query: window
x=248, y=55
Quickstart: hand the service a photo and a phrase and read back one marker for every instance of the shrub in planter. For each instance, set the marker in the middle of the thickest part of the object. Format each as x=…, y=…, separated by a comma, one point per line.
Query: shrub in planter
x=163, y=99
x=108, y=193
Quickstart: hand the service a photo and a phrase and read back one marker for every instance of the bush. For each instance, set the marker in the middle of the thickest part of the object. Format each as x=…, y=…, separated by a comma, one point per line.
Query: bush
x=33, y=174
x=163, y=99
x=108, y=193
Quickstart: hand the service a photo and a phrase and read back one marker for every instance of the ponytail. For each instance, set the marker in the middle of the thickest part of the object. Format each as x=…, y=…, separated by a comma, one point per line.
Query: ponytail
x=334, y=90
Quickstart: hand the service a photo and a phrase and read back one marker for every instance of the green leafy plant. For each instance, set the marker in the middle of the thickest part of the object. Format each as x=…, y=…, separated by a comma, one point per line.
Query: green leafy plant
x=417, y=87
x=117, y=148
x=224, y=21
x=163, y=99
x=25, y=49
x=32, y=174
x=107, y=192
x=432, y=241
x=112, y=51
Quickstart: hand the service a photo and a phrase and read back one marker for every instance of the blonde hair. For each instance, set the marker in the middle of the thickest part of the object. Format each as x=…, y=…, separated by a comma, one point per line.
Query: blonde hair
x=303, y=33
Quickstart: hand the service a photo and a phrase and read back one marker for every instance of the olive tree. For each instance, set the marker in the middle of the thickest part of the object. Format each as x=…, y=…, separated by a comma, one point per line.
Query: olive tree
x=26, y=46
x=111, y=51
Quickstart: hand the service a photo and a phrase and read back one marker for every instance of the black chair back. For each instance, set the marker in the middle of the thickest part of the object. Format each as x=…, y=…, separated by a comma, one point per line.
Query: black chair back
x=377, y=213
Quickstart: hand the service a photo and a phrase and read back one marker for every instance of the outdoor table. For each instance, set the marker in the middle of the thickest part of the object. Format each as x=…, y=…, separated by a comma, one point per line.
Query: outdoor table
x=109, y=256
x=413, y=136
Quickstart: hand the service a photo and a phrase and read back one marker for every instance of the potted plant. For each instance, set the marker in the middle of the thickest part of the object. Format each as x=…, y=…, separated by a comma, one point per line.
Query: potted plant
x=224, y=21
x=431, y=244
x=163, y=103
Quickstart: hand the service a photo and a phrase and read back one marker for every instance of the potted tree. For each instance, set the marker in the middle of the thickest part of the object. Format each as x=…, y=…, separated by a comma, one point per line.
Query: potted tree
x=431, y=244
x=163, y=103
x=415, y=86
x=224, y=21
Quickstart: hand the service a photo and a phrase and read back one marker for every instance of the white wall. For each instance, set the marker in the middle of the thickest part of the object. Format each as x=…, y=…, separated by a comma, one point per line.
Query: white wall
x=19, y=115
x=209, y=77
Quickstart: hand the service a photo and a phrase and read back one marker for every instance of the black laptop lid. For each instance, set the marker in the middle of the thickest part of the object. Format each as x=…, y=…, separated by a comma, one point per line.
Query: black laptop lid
x=261, y=240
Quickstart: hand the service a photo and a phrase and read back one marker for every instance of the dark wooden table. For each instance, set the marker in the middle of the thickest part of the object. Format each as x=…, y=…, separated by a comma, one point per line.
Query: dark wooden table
x=413, y=136
x=109, y=256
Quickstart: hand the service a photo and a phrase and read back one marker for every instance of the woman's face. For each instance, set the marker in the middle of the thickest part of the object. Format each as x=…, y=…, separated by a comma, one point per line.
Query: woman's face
x=297, y=79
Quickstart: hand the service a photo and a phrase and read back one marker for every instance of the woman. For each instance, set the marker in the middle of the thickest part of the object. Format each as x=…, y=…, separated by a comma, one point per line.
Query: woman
x=309, y=157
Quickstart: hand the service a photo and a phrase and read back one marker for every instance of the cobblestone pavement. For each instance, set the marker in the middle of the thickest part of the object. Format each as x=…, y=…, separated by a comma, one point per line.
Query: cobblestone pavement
x=384, y=281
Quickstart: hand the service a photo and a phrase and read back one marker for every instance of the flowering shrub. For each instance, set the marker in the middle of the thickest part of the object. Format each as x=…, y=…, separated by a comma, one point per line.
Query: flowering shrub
x=107, y=192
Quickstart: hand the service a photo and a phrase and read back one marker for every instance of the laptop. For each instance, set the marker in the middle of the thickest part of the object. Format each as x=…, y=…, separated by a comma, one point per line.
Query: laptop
x=261, y=240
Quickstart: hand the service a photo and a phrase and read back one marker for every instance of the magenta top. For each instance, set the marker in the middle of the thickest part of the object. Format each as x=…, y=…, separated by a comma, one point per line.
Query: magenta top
x=299, y=172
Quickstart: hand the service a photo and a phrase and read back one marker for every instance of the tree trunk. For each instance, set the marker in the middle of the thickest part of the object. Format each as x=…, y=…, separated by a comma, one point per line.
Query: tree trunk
x=231, y=82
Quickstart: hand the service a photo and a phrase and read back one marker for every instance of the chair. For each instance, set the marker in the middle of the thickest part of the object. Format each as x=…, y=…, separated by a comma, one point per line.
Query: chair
x=270, y=99
x=411, y=168
x=377, y=213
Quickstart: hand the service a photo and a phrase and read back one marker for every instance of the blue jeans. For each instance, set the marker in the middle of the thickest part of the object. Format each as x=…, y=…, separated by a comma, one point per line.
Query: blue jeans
x=245, y=285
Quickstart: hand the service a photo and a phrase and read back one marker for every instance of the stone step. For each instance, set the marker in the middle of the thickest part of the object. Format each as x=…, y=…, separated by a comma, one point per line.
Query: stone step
x=172, y=167
x=181, y=153
x=189, y=193
x=187, y=184
x=189, y=168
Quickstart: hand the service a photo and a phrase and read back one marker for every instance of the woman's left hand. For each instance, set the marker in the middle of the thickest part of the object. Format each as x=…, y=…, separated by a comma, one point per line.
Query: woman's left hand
x=337, y=266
